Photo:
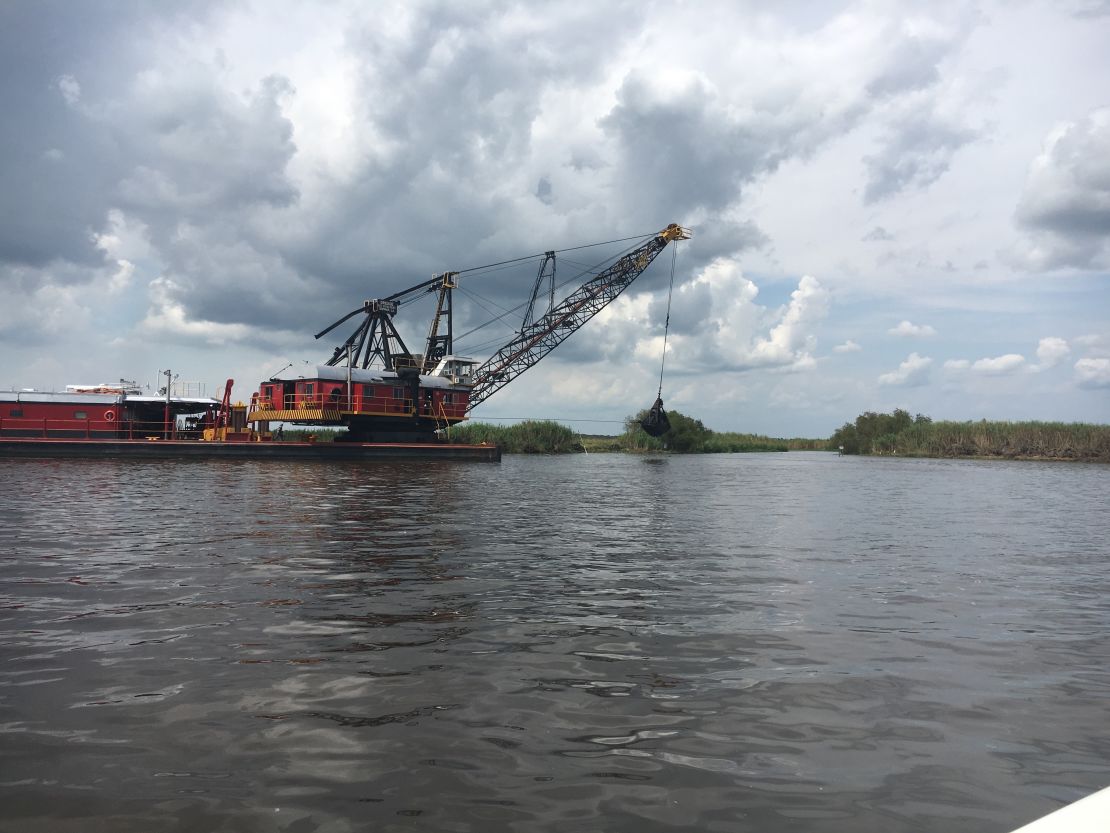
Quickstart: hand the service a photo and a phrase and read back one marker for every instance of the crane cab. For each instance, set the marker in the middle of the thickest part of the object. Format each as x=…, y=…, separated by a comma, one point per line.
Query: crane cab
x=459, y=369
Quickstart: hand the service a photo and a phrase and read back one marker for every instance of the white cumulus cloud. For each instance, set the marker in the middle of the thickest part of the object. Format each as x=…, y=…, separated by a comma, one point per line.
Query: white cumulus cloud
x=790, y=341
x=848, y=346
x=907, y=329
x=167, y=318
x=70, y=89
x=1093, y=373
x=1096, y=346
x=999, y=366
x=1051, y=351
x=913, y=372
x=716, y=322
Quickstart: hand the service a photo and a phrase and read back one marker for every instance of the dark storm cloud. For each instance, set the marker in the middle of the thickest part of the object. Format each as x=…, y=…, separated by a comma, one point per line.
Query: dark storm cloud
x=683, y=150
x=204, y=166
x=918, y=144
x=446, y=171
x=721, y=238
x=690, y=313
x=452, y=105
x=193, y=150
x=1065, y=204
x=543, y=190
x=201, y=167
x=1068, y=190
x=100, y=118
x=461, y=121
x=917, y=151
x=58, y=168
x=55, y=175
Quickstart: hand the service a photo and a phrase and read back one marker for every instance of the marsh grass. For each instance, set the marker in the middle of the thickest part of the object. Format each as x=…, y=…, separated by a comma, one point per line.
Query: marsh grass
x=897, y=433
x=687, y=436
x=1056, y=440
x=920, y=436
x=318, y=435
x=528, y=437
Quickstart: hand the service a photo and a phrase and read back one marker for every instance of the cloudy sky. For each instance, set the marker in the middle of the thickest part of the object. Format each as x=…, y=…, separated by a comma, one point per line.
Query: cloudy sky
x=895, y=204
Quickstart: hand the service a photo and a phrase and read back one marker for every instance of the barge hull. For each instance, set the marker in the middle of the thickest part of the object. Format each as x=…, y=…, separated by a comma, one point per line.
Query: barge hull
x=246, y=451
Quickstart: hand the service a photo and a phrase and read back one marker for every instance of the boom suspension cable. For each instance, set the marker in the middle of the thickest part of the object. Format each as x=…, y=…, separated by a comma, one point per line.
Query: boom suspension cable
x=573, y=279
x=557, y=251
x=667, y=325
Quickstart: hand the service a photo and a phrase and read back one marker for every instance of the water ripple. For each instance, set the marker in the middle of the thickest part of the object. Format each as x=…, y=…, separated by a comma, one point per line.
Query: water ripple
x=739, y=643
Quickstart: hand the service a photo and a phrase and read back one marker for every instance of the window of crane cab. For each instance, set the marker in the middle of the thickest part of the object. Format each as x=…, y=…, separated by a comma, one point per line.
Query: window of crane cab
x=80, y=414
x=15, y=412
x=456, y=367
x=398, y=393
x=308, y=388
x=448, y=399
x=368, y=391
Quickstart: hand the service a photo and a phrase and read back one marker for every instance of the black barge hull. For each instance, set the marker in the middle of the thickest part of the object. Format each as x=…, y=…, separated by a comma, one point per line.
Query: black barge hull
x=247, y=450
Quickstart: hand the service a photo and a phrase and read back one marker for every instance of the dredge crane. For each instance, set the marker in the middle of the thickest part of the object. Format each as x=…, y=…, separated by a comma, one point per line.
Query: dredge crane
x=382, y=392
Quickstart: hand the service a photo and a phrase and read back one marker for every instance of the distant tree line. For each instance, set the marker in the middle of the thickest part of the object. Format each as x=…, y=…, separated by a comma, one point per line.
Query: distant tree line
x=690, y=436
x=920, y=436
x=874, y=433
x=687, y=436
x=896, y=433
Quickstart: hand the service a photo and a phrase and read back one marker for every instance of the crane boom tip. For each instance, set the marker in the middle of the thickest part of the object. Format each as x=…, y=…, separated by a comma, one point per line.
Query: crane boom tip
x=676, y=232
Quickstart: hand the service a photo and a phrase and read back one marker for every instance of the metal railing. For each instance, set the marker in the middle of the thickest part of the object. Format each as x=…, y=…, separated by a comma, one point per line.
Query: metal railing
x=96, y=429
x=360, y=403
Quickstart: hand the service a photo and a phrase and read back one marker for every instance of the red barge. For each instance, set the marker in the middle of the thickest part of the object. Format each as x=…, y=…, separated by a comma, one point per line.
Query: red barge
x=393, y=403
x=119, y=421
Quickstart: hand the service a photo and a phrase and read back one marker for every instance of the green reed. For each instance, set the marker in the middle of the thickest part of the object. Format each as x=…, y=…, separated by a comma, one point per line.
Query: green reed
x=899, y=434
x=528, y=437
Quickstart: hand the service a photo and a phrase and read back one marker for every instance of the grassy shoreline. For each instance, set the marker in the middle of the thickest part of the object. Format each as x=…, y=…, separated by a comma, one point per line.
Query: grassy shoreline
x=687, y=436
x=881, y=435
x=898, y=434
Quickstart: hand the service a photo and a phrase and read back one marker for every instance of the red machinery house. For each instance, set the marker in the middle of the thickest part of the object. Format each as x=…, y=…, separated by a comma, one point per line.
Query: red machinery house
x=101, y=415
x=370, y=402
x=372, y=393
x=384, y=398
x=61, y=415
